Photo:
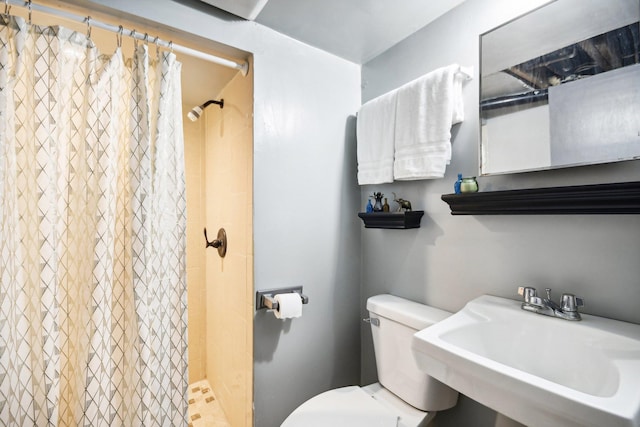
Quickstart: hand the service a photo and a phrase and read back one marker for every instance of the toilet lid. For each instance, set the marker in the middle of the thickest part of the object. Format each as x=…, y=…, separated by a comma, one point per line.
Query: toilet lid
x=342, y=407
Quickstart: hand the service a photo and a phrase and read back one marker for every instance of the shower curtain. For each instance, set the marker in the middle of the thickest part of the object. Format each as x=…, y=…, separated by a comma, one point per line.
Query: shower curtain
x=92, y=247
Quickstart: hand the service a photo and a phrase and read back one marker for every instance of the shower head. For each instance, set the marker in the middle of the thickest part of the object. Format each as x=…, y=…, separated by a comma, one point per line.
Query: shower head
x=196, y=112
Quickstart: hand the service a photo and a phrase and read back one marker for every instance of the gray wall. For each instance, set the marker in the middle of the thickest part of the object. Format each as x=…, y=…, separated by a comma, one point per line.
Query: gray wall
x=306, y=231
x=451, y=260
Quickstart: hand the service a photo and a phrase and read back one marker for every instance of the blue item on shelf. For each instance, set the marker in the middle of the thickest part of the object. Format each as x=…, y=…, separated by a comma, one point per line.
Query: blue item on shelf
x=456, y=186
x=369, y=206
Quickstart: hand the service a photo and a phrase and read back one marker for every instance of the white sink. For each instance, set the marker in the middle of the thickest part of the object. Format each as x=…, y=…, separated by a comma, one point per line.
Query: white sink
x=537, y=370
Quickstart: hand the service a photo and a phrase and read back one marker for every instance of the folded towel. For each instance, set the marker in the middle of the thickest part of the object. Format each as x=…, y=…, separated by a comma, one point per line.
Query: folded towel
x=426, y=109
x=375, y=132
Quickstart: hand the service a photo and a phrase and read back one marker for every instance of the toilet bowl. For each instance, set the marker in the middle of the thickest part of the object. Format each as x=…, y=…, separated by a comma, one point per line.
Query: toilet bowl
x=404, y=395
x=353, y=406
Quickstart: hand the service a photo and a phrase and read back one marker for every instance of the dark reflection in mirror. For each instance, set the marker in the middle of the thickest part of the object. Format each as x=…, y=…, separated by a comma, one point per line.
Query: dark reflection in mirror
x=599, y=54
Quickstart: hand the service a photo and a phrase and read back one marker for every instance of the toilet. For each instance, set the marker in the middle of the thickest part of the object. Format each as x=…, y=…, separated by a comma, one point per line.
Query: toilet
x=404, y=395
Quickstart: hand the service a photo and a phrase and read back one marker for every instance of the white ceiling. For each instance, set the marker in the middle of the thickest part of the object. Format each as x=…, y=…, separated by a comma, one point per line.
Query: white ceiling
x=247, y=9
x=357, y=30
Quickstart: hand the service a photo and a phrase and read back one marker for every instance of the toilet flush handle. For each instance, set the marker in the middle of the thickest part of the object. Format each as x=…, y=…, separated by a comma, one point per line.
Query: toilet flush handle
x=373, y=320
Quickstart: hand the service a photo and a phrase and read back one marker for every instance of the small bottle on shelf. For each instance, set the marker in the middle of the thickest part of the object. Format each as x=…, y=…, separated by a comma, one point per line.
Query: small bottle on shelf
x=469, y=185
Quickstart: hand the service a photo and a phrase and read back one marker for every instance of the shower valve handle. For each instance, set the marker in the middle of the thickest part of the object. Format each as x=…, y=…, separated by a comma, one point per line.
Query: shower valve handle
x=220, y=243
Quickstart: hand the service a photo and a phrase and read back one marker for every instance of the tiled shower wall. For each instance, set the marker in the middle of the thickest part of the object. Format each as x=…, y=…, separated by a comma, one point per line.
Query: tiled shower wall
x=196, y=290
x=228, y=155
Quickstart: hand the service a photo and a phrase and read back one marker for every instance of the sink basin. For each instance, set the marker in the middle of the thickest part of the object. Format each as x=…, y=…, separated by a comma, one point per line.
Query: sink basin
x=537, y=370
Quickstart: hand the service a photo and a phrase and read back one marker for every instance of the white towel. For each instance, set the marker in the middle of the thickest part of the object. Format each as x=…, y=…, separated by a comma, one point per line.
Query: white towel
x=426, y=109
x=375, y=132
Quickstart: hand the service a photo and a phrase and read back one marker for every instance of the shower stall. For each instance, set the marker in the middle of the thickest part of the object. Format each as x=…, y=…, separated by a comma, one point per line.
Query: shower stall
x=219, y=174
x=184, y=283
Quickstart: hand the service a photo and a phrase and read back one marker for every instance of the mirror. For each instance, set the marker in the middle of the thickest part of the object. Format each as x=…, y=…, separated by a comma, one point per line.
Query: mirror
x=560, y=87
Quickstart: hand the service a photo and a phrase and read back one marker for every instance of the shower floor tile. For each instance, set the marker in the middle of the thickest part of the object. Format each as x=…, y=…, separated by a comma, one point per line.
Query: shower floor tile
x=204, y=409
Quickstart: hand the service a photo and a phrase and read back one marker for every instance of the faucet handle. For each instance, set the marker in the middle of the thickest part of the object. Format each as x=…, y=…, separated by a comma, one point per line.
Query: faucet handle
x=570, y=302
x=527, y=293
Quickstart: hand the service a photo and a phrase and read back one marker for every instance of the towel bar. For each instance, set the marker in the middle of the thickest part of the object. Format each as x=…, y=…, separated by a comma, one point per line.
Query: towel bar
x=265, y=299
x=466, y=72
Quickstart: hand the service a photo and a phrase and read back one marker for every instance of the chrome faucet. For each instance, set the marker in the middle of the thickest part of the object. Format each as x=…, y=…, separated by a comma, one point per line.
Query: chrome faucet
x=568, y=308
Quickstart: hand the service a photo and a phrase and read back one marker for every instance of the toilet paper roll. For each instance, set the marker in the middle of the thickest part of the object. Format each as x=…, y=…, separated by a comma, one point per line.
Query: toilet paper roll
x=289, y=305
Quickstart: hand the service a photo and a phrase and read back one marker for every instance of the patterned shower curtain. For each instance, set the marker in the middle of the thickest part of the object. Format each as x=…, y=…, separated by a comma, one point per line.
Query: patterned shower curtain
x=92, y=251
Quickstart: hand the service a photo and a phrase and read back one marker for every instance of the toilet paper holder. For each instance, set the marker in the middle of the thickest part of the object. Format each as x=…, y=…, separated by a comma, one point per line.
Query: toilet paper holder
x=265, y=299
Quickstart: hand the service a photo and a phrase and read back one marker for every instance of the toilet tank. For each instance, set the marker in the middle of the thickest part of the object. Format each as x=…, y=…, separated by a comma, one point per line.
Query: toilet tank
x=398, y=320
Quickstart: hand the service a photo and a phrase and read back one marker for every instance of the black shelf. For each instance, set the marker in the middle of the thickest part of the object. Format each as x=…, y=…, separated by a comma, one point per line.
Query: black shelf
x=618, y=198
x=392, y=220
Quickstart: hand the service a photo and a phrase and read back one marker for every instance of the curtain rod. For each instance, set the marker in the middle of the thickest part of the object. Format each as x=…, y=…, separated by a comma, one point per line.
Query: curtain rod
x=242, y=66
